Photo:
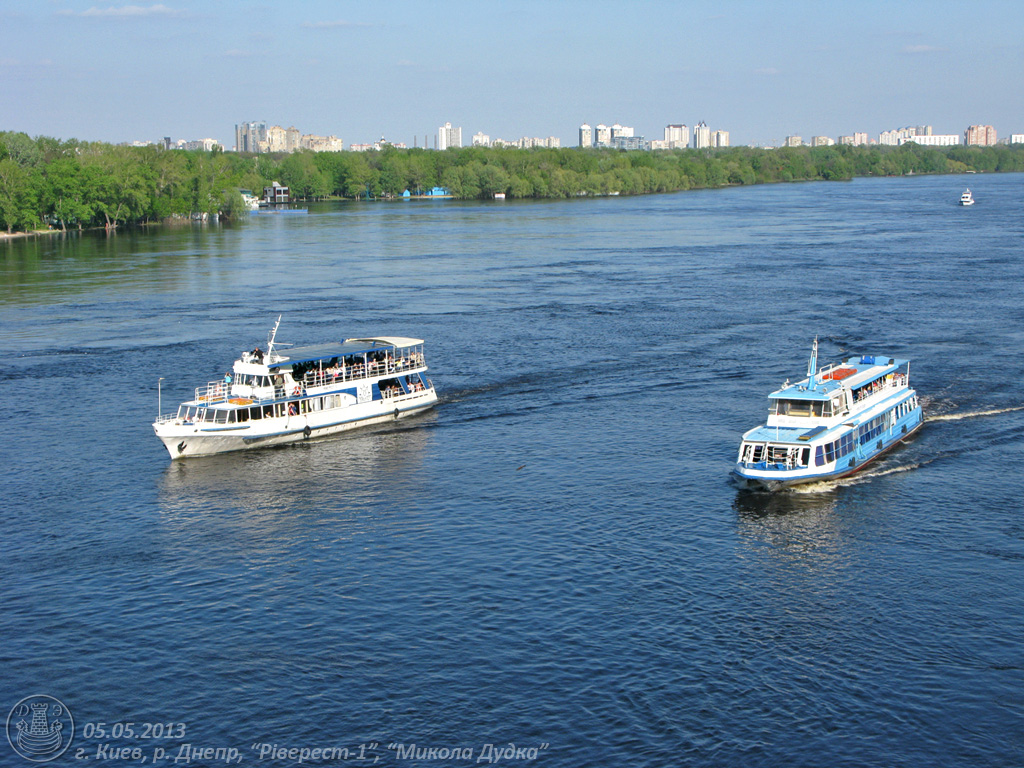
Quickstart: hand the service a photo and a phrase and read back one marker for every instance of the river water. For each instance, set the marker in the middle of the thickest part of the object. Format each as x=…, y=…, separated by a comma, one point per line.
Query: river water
x=555, y=557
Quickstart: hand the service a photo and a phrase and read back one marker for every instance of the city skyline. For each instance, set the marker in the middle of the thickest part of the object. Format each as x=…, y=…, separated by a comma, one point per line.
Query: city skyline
x=119, y=71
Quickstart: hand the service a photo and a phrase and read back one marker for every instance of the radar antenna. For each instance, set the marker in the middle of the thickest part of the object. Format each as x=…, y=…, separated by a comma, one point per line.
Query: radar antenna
x=270, y=339
x=812, y=365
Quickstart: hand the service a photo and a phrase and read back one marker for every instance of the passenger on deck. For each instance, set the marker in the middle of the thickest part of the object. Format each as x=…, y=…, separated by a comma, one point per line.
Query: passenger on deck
x=258, y=355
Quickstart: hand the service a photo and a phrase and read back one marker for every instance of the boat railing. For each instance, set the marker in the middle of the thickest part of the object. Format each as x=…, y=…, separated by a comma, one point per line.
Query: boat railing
x=884, y=384
x=213, y=392
x=341, y=373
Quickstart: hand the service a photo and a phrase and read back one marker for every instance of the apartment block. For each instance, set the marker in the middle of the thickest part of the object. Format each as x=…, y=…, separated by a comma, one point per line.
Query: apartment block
x=701, y=136
x=980, y=136
x=586, y=136
x=449, y=137
x=677, y=136
x=933, y=140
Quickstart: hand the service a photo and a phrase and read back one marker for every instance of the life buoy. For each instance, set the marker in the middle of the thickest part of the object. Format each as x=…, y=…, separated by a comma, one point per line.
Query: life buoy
x=297, y=391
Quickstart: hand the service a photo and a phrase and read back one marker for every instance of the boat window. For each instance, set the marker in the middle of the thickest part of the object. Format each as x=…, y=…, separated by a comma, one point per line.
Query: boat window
x=826, y=454
x=797, y=408
x=873, y=428
x=220, y=416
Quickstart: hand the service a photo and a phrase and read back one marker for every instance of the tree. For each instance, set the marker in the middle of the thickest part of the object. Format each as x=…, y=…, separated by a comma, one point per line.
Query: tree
x=119, y=184
x=492, y=179
x=16, y=199
x=301, y=174
x=63, y=193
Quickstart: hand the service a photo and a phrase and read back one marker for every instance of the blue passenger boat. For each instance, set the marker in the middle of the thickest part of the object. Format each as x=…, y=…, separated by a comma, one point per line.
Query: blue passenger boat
x=830, y=424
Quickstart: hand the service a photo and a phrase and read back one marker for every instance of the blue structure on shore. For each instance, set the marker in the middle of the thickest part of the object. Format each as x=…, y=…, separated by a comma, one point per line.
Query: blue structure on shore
x=436, y=192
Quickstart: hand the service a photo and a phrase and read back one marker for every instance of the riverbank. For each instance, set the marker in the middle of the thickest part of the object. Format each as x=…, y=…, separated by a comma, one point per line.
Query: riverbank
x=131, y=185
x=32, y=233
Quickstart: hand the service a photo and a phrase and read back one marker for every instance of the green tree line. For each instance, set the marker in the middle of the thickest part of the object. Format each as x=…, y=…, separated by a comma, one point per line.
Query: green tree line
x=47, y=182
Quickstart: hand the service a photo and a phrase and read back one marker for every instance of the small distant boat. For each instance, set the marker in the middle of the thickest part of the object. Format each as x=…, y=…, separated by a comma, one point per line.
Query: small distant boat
x=966, y=198
x=830, y=424
x=252, y=203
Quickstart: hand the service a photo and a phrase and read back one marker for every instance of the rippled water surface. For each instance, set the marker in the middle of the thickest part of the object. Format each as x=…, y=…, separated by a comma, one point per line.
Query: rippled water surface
x=554, y=557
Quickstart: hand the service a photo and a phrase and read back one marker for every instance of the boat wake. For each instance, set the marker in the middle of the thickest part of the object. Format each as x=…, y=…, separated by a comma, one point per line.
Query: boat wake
x=824, y=486
x=972, y=414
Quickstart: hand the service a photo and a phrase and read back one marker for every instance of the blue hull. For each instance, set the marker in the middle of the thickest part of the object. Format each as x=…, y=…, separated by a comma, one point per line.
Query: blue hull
x=853, y=465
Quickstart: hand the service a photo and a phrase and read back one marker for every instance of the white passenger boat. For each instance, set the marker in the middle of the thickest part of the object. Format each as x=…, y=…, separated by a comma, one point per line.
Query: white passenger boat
x=966, y=198
x=300, y=393
x=830, y=424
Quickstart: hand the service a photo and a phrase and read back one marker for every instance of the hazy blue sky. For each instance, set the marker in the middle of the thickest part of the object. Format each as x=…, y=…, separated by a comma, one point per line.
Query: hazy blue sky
x=117, y=71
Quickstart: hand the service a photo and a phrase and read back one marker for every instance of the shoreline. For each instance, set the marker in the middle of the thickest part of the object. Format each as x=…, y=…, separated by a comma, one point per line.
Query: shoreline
x=34, y=233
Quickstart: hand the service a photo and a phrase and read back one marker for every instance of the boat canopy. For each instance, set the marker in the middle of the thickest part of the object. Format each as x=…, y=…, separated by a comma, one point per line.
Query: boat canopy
x=308, y=354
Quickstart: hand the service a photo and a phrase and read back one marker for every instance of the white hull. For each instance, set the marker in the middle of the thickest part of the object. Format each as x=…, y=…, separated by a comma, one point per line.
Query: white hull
x=188, y=440
x=309, y=393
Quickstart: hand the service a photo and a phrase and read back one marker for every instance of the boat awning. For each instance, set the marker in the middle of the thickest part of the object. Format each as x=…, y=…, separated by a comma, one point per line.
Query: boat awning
x=334, y=349
x=386, y=341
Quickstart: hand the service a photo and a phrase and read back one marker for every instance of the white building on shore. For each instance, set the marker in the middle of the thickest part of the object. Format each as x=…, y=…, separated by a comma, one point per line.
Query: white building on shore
x=934, y=140
x=449, y=137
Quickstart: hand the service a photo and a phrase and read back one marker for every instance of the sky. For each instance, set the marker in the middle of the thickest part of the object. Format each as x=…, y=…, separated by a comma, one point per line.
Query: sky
x=188, y=69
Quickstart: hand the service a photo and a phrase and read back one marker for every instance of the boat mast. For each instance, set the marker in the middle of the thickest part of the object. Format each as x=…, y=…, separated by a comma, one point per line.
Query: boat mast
x=270, y=340
x=812, y=365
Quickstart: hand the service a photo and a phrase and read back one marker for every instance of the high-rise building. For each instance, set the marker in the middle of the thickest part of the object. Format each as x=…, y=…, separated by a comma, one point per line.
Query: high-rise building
x=448, y=137
x=980, y=136
x=481, y=139
x=586, y=136
x=720, y=139
x=794, y=141
x=701, y=136
x=677, y=136
x=621, y=131
x=283, y=139
x=249, y=136
x=602, y=135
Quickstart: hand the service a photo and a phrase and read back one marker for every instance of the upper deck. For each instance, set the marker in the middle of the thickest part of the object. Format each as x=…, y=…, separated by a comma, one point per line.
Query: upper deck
x=312, y=369
x=836, y=392
x=852, y=374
